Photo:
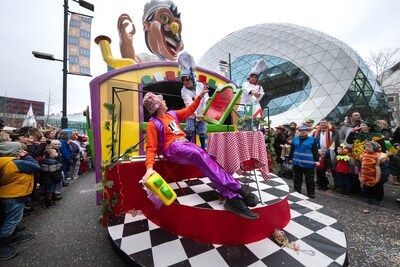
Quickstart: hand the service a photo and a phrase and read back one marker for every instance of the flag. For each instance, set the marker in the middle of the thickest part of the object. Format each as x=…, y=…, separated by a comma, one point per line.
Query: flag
x=79, y=44
x=29, y=118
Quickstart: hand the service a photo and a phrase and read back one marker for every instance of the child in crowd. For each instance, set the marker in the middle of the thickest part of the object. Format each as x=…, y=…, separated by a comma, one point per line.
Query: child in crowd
x=374, y=172
x=287, y=167
x=395, y=164
x=322, y=180
x=76, y=154
x=342, y=170
x=50, y=176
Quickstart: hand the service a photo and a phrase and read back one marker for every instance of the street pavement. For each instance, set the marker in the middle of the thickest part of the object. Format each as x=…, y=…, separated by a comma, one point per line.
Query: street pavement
x=69, y=235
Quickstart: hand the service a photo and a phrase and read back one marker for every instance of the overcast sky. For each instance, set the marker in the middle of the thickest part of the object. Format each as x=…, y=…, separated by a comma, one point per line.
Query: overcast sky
x=27, y=25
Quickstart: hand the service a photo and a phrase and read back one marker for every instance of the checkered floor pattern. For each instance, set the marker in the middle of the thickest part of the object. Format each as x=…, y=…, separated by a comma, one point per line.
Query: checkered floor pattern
x=199, y=192
x=148, y=245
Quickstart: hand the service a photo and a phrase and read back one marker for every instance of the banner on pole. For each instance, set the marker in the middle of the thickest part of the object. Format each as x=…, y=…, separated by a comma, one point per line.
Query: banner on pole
x=79, y=44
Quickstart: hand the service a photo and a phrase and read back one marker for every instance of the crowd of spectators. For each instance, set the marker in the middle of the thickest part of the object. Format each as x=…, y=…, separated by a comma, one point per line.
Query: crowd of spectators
x=355, y=157
x=35, y=165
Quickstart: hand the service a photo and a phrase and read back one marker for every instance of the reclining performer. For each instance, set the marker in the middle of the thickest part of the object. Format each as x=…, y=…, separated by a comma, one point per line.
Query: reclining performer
x=164, y=136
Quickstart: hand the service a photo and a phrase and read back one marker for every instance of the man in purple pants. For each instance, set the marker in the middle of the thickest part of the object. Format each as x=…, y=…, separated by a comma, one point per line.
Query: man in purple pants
x=164, y=136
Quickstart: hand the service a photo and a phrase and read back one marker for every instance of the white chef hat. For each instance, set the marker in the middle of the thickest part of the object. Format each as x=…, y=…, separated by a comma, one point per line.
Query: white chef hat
x=258, y=67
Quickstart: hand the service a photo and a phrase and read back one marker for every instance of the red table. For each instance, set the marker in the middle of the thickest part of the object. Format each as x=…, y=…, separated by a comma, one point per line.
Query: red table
x=230, y=149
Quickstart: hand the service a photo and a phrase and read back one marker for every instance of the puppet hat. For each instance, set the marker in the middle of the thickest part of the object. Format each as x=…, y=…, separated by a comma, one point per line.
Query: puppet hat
x=186, y=64
x=151, y=6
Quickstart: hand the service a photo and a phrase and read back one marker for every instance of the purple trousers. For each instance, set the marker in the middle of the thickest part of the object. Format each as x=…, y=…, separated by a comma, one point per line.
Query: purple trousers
x=189, y=153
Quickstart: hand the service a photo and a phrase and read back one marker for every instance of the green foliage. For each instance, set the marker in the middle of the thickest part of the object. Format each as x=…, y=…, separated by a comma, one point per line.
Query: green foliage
x=248, y=123
x=109, y=202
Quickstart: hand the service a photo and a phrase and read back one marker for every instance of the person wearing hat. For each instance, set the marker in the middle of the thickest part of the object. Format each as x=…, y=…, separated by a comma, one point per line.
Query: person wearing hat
x=310, y=123
x=16, y=183
x=164, y=136
x=252, y=91
x=190, y=90
x=304, y=156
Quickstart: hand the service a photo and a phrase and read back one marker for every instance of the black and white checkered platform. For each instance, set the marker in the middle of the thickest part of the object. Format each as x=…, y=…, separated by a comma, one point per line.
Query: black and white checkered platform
x=199, y=192
x=146, y=244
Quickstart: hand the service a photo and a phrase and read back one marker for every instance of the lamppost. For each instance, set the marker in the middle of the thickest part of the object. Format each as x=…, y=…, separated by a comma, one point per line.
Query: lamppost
x=84, y=4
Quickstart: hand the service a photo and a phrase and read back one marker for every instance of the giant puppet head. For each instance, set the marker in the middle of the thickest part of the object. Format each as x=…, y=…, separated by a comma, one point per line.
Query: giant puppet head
x=162, y=26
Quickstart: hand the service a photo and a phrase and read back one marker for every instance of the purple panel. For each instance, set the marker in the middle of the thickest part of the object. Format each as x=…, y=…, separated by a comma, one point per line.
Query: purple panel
x=141, y=119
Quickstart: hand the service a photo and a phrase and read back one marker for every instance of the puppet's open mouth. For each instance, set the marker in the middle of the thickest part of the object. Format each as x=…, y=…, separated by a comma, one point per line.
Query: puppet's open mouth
x=172, y=41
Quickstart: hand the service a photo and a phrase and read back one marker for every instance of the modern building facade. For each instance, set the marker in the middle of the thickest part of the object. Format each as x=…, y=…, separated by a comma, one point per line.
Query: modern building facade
x=309, y=75
x=391, y=87
x=14, y=110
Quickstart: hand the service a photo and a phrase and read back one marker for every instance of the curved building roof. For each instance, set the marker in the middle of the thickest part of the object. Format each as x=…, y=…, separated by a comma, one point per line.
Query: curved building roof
x=310, y=74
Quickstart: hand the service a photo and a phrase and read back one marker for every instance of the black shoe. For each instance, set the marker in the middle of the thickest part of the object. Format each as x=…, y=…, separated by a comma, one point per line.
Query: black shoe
x=249, y=198
x=19, y=238
x=56, y=197
x=237, y=206
x=29, y=209
x=7, y=253
x=18, y=229
x=65, y=184
x=311, y=195
x=49, y=203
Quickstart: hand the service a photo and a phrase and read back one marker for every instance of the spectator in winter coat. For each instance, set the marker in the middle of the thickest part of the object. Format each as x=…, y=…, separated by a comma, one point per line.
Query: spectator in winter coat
x=66, y=156
x=76, y=154
x=50, y=176
x=16, y=183
x=304, y=156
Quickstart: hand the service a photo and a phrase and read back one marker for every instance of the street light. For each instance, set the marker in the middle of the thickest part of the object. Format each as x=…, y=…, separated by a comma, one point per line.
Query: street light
x=84, y=4
x=45, y=56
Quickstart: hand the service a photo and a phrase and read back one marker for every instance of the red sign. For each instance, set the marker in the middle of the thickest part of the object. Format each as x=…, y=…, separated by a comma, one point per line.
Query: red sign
x=220, y=104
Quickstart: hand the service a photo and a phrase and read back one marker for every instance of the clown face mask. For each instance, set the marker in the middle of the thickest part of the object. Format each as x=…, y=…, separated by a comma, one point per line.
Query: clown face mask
x=163, y=33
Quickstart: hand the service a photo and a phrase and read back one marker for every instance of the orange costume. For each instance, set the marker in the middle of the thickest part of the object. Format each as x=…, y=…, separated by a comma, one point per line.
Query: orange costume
x=370, y=173
x=172, y=131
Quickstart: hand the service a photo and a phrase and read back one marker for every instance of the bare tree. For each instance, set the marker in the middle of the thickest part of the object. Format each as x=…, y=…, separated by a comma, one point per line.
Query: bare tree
x=380, y=61
x=52, y=100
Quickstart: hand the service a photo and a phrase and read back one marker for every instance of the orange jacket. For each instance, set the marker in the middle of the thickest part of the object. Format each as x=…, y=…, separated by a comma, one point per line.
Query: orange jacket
x=171, y=130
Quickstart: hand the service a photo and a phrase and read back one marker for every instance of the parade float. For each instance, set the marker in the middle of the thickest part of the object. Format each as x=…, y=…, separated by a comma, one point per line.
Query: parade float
x=195, y=229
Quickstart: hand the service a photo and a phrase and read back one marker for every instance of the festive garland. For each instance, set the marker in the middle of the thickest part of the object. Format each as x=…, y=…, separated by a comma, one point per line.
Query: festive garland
x=110, y=201
x=282, y=240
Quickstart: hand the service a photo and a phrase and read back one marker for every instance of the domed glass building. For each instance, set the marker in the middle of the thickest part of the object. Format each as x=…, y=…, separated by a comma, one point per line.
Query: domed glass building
x=309, y=75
